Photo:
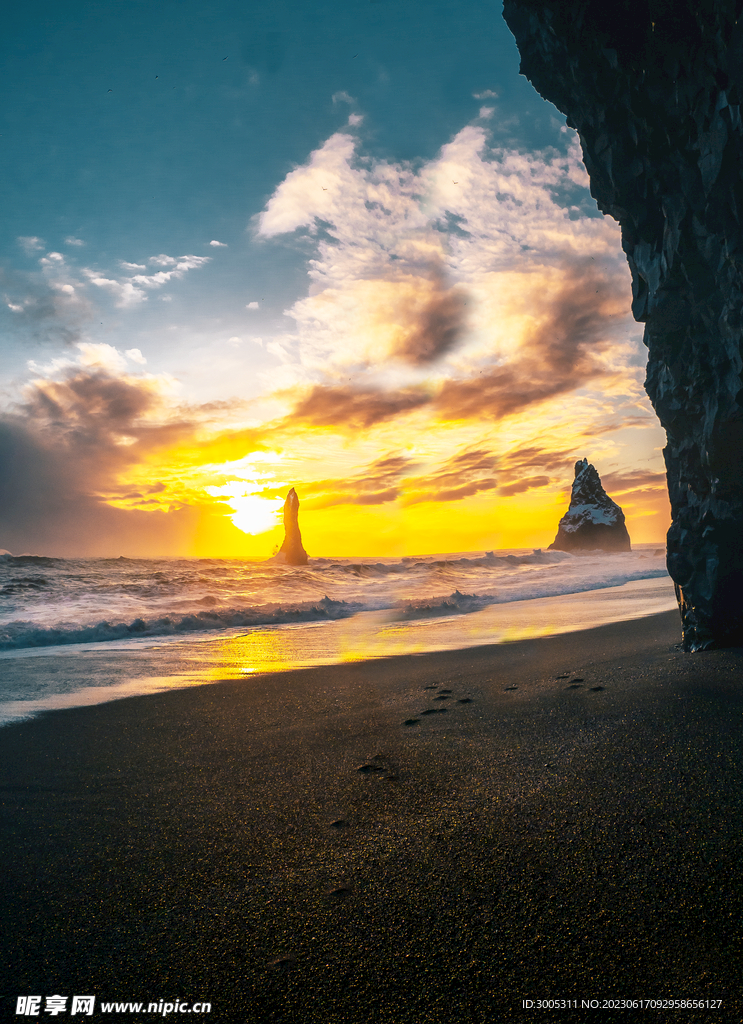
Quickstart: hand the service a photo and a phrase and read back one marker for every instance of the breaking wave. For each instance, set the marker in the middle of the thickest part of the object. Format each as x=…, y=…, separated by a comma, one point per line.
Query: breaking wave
x=52, y=601
x=28, y=634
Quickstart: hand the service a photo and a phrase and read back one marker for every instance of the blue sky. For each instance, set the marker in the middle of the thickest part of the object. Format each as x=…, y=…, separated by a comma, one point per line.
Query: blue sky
x=167, y=231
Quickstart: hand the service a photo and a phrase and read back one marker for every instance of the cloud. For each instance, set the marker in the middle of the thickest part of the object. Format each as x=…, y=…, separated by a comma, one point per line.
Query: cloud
x=527, y=484
x=432, y=323
x=516, y=462
x=487, y=94
x=216, y=244
x=411, y=264
x=75, y=430
x=636, y=481
x=49, y=504
x=301, y=197
x=132, y=291
x=47, y=305
x=464, y=474
x=91, y=407
x=135, y=355
x=70, y=240
x=348, y=408
x=252, y=305
x=30, y=243
x=566, y=333
x=377, y=483
x=343, y=97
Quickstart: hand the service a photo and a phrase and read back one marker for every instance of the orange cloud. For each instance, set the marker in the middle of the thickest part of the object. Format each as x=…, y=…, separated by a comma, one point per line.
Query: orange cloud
x=557, y=355
x=353, y=408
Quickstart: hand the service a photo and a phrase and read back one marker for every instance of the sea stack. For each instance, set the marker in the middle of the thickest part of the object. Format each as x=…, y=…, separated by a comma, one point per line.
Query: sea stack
x=655, y=91
x=291, y=551
x=593, y=520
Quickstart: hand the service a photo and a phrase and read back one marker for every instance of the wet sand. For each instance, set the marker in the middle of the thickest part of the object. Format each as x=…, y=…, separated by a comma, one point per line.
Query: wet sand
x=427, y=838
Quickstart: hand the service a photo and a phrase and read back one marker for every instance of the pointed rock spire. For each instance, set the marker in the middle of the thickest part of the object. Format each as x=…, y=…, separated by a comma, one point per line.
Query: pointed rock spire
x=592, y=520
x=291, y=551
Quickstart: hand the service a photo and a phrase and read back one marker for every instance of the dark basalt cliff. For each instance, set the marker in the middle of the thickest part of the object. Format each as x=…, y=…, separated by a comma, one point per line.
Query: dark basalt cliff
x=654, y=89
x=291, y=551
x=592, y=520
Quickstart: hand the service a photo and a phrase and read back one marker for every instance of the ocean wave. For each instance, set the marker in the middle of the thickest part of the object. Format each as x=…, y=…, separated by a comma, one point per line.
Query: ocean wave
x=15, y=635
x=455, y=604
x=8, y=559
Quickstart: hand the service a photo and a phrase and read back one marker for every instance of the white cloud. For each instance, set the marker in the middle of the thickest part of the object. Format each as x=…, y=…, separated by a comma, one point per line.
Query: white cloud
x=311, y=191
x=135, y=355
x=132, y=266
x=355, y=119
x=216, y=244
x=132, y=290
x=487, y=94
x=73, y=241
x=252, y=305
x=343, y=97
x=106, y=357
x=235, y=342
x=486, y=113
x=52, y=259
x=398, y=242
x=124, y=292
x=30, y=243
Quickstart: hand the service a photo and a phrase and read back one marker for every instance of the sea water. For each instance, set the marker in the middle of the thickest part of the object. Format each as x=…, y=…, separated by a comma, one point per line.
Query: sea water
x=82, y=631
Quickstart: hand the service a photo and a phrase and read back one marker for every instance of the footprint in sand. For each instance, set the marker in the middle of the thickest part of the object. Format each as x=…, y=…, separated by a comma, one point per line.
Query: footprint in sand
x=433, y=686
x=340, y=893
x=339, y=823
x=434, y=711
x=566, y=676
x=464, y=700
x=443, y=696
x=595, y=689
x=282, y=963
x=365, y=769
x=411, y=721
x=577, y=679
x=444, y=690
x=573, y=686
x=510, y=688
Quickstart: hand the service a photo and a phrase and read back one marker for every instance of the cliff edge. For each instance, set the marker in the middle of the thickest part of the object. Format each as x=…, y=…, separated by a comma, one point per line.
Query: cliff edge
x=654, y=90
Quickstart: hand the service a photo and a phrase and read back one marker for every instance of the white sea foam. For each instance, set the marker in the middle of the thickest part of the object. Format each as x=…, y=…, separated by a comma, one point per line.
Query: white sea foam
x=48, y=602
x=83, y=631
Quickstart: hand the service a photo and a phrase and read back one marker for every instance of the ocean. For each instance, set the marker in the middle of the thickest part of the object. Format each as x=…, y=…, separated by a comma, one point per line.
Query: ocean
x=83, y=631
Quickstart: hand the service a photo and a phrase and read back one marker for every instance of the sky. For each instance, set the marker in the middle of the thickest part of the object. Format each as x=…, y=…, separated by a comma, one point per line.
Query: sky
x=341, y=248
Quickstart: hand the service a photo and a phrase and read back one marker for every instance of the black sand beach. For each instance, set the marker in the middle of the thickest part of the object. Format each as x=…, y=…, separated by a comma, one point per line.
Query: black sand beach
x=421, y=839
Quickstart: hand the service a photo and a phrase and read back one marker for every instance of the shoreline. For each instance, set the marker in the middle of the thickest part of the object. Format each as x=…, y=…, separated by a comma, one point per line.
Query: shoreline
x=354, y=843
x=39, y=679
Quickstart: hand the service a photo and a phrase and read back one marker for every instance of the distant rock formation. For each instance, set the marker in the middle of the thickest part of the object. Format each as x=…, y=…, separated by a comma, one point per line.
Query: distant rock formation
x=593, y=520
x=655, y=91
x=291, y=551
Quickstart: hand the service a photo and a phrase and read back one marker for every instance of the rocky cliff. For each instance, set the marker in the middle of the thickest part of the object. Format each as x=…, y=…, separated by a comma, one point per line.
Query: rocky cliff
x=592, y=520
x=291, y=551
x=654, y=89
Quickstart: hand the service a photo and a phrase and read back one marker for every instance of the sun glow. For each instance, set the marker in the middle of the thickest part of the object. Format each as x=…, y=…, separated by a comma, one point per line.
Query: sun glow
x=252, y=514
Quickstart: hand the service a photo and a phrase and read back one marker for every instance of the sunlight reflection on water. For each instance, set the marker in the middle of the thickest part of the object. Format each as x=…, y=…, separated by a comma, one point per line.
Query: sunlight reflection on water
x=49, y=678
